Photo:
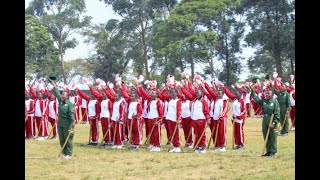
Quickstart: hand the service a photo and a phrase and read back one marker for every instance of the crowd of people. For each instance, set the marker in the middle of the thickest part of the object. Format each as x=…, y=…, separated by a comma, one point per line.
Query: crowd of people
x=124, y=109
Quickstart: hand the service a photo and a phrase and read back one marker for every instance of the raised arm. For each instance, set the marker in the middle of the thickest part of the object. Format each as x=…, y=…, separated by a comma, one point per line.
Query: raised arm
x=109, y=94
x=210, y=90
x=229, y=93
x=83, y=95
x=144, y=93
x=255, y=97
x=33, y=93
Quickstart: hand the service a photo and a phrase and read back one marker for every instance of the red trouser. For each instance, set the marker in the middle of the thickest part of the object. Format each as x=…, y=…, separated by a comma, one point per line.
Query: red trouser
x=54, y=125
x=135, y=131
x=43, y=130
x=175, y=138
x=146, y=126
x=155, y=138
x=105, y=125
x=166, y=125
x=221, y=138
x=84, y=115
x=248, y=109
x=293, y=115
x=125, y=130
x=30, y=131
x=254, y=107
x=94, y=130
x=117, y=133
x=238, y=134
x=187, y=127
x=198, y=127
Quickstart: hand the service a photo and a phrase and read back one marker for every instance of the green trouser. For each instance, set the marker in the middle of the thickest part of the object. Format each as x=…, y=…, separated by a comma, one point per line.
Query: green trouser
x=63, y=133
x=285, y=128
x=273, y=134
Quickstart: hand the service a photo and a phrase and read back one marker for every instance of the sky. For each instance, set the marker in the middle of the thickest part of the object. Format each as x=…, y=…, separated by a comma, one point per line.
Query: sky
x=101, y=13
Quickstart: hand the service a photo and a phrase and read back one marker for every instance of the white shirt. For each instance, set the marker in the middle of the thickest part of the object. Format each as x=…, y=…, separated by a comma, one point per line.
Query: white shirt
x=52, y=111
x=247, y=98
x=105, y=109
x=172, y=110
x=292, y=101
x=217, y=108
x=92, y=108
x=116, y=110
x=211, y=108
x=132, y=109
x=185, y=109
x=84, y=103
x=153, y=113
x=236, y=110
x=197, y=110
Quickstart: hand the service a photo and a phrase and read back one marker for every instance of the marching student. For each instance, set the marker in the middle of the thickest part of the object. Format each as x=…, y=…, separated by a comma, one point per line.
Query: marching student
x=238, y=115
x=200, y=117
x=29, y=104
x=94, y=110
x=53, y=114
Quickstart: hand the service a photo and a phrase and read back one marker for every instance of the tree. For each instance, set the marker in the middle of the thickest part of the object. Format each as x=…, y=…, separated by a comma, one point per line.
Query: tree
x=272, y=30
x=41, y=56
x=113, y=49
x=63, y=18
x=78, y=67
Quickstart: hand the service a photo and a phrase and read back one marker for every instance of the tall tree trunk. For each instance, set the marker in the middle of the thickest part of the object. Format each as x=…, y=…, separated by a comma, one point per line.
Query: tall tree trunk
x=227, y=62
x=61, y=59
x=211, y=67
x=192, y=68
x=145, y=55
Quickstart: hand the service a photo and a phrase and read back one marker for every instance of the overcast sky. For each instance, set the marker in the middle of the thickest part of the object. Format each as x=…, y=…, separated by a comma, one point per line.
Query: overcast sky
x=100, y=13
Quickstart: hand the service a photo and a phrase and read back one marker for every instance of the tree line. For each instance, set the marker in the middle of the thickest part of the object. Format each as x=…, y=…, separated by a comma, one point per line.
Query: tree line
x=159, y=37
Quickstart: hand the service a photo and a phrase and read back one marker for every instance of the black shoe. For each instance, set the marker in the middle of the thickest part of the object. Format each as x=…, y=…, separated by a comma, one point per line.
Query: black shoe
x=272, y=154
x=89, y=144
x=266, y=154
x=94, y=144
x=53, y=137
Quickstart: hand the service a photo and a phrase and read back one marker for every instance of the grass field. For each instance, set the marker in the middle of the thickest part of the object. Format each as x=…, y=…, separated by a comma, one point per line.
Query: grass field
x=104, y=163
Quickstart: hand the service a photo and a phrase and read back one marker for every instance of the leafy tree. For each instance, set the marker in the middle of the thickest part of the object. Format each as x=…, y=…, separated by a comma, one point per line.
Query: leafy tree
x=272, y=30
x=63, y=18
x=78, y=67
x=113, y=50
x=41, y=56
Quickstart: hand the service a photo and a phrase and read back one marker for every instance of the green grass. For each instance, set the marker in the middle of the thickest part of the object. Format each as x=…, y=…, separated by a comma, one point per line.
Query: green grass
x=102, y=163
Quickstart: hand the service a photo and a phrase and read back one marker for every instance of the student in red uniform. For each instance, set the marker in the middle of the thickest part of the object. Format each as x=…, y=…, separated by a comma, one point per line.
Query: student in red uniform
x=106, y=111
x=40, y=112
x=53, y=114
x=29, y=103
x=238, y=115
x=94, y=110
x=173, y=118
x=200, y=117
x=134, y=114
x=220, y=115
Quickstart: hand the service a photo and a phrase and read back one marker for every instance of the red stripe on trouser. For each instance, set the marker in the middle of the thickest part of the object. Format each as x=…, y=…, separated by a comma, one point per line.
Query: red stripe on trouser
x=135, y=134
x=104, y=126
x=293, y=115
x=94, y=130
x=175, y=139
x=199, y=127
x=119, y=132
x=76, y=114
x=238, y=134
x=140, y=128
x=187, y=127
x=29, y=127
x=44, y=127
x=168, y=131
x=248, y=109
x=221, y=138
x=52, y=122
x=84, y=114
x=146, y=124
x=155, y=139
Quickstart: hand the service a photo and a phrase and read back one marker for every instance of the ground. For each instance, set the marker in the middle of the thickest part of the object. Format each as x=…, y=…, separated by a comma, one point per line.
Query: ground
x=41, y=161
